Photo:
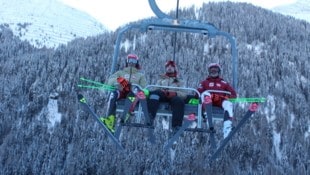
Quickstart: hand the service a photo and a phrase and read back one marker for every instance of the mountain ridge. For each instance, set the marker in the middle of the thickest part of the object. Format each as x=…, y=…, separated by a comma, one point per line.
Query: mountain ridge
x=299, y=10
x=47, y=23
x=44, y=130
x=41, y=24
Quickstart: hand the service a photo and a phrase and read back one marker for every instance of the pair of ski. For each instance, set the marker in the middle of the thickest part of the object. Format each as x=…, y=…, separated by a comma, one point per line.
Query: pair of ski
x=130, y=104
x=86, y=106
x=129, y=107
x=215, y=152
x=188, y=122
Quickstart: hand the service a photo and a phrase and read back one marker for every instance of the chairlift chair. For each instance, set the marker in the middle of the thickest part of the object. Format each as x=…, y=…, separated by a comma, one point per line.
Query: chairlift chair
x=164, y=22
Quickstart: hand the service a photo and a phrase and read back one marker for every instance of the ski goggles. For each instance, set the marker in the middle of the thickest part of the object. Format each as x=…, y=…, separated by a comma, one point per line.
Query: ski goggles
x=132, y=61
x=214, y=70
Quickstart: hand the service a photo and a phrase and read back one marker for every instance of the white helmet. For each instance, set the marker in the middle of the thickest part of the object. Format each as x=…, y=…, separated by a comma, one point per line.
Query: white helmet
x=213, y=73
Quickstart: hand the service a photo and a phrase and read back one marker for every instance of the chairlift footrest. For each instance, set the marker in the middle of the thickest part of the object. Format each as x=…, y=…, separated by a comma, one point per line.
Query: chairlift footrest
x=200, y=130
x=138, y=125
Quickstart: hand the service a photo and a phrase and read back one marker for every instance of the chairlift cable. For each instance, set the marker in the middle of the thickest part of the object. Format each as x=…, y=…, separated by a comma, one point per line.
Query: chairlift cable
x=175, y=33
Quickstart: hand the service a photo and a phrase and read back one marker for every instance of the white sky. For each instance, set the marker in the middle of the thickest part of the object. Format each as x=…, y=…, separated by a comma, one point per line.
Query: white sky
x=114, y=13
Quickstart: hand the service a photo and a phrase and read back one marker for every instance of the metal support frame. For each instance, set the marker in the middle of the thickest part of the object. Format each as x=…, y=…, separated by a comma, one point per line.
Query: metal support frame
x=167, y=23
x=164, y=22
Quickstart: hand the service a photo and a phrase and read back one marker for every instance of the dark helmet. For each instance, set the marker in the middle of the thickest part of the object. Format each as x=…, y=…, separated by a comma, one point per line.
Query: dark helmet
x=133, y=58
x=213, y=73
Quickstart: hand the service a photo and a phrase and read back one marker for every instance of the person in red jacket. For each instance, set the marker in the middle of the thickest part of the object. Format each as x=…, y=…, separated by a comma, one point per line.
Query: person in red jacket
x=211, y=88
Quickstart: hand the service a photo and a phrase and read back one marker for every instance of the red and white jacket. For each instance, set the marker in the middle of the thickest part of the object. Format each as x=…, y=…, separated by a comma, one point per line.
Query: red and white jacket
x=217, y=84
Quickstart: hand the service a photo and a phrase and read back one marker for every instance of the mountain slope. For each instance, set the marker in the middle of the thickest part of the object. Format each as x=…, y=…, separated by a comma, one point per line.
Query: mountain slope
x=45, y=131
x=299, y=10
x=47, y=23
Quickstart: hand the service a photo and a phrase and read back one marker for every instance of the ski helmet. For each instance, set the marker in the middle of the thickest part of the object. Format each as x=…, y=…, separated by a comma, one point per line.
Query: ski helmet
x=133, y=58
x=214, y=65
x=171, y=63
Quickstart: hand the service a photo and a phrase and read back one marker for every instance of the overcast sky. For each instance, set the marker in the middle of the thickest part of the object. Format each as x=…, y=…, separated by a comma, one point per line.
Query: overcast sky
x=114, y=13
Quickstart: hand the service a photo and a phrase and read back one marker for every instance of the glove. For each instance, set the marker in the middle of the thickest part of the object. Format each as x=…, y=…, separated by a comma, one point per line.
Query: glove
x=215, y=98
x=170, y=94
x=124, y=84
x=122, y=81
x=146, y=92
x=193, y=101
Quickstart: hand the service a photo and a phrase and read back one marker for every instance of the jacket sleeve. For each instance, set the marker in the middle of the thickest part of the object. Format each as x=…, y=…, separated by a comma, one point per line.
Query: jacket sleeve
x=181, y=93
x=113, y=79
x=159, y=82
x=142, y=82
x=231, y=90
x=200, y=87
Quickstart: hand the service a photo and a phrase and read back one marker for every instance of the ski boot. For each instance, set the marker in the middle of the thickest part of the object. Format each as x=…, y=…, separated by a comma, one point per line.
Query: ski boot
x=109, y=122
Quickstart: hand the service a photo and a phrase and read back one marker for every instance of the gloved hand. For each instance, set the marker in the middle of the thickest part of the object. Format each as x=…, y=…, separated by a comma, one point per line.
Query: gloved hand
x=122, y=81
x=218, y=97
x=124, y=84
x=193, y=101
x=215, y=97
x=170, y=94
x=146, y=92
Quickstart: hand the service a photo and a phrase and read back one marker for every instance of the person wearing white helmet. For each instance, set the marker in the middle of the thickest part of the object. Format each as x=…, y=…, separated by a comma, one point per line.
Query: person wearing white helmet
x=215, y=82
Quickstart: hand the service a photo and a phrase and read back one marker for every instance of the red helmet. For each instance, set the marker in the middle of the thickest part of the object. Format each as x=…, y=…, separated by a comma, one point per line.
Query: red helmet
x=133, y=58
x=171, y=63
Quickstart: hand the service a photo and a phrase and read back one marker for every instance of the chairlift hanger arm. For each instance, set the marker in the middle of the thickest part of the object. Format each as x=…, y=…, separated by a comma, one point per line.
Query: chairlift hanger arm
x=156, y=10
x=189, y=26
x=167, y=23
x=164, y=24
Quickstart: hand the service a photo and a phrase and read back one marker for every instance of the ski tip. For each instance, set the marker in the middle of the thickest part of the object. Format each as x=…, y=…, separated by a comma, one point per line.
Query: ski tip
x=80, y=96
x=213, y=157
x=166, y=147
x=121, y=148
x=152, y=141
x=253, y=107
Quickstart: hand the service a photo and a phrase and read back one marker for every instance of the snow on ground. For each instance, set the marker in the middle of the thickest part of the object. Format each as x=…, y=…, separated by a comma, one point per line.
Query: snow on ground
x=270, y=109
x=276, y=144
x=47, y=23
x=53, y=115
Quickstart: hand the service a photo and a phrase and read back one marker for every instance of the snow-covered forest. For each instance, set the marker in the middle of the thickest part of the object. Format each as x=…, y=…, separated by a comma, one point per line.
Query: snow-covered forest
x=45, y=131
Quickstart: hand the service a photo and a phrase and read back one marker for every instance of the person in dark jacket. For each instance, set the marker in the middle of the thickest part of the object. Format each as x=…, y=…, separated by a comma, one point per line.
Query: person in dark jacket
x=174, y=97
x=216, y=83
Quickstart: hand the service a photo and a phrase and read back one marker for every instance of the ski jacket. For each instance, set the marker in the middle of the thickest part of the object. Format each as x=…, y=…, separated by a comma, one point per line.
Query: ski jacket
x=217, y=84
x=165, y=80
x=132, y=74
